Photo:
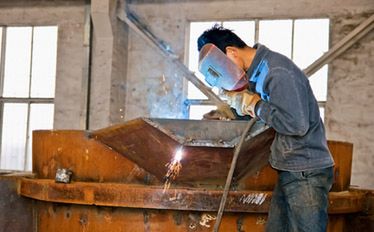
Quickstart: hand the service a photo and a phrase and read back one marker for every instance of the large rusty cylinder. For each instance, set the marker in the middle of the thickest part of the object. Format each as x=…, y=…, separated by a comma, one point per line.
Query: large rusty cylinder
x=142, y=147
x=118, y=178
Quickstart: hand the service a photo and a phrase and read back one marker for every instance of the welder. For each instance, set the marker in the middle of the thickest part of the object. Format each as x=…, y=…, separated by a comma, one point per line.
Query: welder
x=277, y=92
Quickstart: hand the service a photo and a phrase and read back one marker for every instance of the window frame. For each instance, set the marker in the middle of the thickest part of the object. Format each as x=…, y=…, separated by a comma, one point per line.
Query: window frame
x=207, y=102
x=26, y=100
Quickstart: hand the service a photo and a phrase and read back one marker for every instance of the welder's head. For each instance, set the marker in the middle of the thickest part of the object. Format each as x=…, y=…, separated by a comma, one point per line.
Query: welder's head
x=220, y=37
x=220, y=58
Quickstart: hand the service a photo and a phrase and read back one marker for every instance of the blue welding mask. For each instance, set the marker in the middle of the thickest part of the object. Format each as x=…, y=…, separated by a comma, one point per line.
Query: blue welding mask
x=219, y=71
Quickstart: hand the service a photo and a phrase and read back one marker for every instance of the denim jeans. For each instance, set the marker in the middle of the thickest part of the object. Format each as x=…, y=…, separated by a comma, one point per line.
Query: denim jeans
x=300, y=201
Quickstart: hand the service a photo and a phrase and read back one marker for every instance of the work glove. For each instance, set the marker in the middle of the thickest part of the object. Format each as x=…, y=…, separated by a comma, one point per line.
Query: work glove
x=218, y=114
x=244, y=102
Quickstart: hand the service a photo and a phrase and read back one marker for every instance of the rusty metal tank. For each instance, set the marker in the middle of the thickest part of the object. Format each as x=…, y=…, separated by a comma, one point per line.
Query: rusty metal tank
x=117, y=180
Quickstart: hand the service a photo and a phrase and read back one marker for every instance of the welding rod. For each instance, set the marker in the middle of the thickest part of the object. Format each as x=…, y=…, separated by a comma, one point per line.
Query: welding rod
x=237, y=151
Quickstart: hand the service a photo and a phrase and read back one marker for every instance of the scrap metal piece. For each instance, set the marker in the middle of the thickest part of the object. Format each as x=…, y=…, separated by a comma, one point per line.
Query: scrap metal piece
x=63, y=175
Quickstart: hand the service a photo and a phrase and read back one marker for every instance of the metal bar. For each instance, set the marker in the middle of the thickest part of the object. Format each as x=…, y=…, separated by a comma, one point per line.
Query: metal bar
x=31, y=61
x=2, y=67
x=340, y=47
x=2, y=60
x=257, y=30
x=27, y=136
x=231, y=173
x=207, y=102
x=133, y=22
x=153, y=197
x=198, y=102
x=29, y=94
x=26, y=100
x=292, y=38
x=85, y=102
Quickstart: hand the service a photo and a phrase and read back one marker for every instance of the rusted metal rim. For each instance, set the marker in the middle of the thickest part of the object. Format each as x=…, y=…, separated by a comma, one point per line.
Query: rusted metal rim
x=200, y=133
x=154, y=197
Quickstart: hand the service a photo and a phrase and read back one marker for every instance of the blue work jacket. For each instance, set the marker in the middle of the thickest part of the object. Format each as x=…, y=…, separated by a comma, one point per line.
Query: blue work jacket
x=289, y=106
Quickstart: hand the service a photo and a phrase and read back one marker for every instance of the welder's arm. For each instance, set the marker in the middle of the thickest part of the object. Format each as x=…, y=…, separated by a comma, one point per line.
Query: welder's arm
x=287, y=110
x=243, y=102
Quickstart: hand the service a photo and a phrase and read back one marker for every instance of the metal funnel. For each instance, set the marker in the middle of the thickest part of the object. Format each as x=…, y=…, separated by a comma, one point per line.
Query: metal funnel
x=207, y=146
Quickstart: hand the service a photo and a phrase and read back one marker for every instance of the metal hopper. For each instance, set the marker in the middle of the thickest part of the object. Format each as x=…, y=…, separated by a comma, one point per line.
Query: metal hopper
x=207, y=146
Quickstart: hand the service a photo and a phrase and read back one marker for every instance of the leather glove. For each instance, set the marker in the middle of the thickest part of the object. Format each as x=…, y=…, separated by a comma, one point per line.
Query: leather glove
x=243, y=102
x=217, y=114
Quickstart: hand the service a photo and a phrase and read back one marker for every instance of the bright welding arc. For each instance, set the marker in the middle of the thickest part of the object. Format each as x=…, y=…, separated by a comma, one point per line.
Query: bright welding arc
x=174, y=168
x=178, y=155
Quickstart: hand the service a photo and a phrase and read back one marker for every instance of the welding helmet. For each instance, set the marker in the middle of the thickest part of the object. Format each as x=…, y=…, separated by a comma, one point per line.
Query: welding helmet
x=219, y=71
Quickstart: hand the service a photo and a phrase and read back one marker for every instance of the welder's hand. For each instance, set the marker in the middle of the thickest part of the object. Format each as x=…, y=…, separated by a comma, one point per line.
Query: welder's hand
x=217, y=114
x=243, y=102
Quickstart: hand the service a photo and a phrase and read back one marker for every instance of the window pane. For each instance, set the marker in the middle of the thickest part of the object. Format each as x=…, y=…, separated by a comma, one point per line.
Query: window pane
x=311, y=40
x=322, y=113
x=196, y=29
x=318, y=82
x=244, y=29
x=197, y=111
x=17, y=62
x=13, y=138
x=44, y=61
x=41, y=117
x=276, y=35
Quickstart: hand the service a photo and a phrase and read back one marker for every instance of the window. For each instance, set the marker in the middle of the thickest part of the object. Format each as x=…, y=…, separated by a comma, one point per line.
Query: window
x=27, y=87
x=302, y=40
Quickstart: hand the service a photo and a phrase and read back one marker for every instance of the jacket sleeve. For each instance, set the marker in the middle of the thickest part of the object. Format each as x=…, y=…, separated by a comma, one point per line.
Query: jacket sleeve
x=287, y=109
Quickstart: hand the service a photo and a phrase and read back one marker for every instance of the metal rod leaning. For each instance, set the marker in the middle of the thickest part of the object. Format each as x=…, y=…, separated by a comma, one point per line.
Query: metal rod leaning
x=237, y=151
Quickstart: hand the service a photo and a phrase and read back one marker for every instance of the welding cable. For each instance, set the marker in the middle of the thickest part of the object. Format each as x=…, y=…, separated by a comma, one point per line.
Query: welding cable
x=237, y=151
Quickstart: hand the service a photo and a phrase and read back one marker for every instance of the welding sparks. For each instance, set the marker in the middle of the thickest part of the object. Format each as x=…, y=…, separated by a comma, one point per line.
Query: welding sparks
x=174, y=168
x=178, y=155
